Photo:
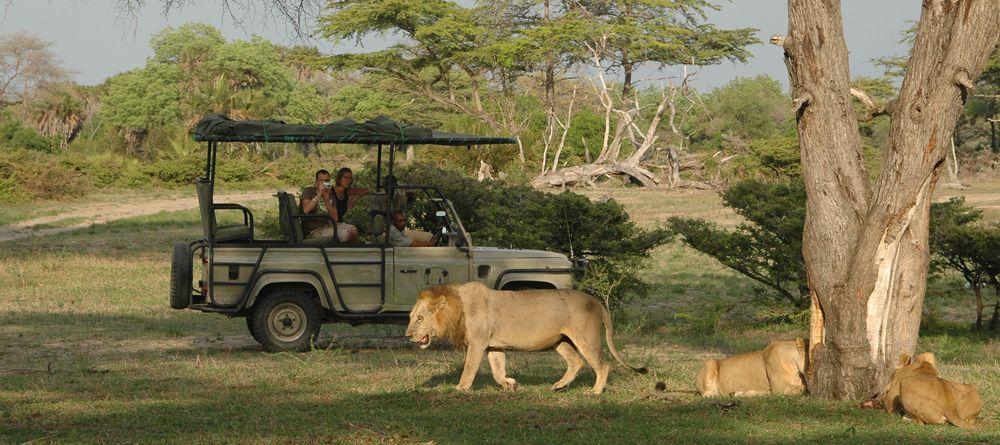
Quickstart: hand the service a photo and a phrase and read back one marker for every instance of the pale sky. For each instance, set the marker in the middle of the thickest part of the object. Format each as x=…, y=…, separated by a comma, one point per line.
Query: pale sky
x=90, y=38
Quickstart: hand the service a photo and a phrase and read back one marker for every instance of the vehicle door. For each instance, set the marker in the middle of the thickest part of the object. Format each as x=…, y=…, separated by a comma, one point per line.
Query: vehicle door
x=417, y=268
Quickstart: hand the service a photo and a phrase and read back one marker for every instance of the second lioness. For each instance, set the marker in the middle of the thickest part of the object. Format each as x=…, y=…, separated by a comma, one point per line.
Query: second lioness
x=777, y=369
x=484, y=321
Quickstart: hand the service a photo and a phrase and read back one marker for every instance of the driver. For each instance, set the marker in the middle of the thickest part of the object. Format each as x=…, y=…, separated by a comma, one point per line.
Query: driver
x=398, y=236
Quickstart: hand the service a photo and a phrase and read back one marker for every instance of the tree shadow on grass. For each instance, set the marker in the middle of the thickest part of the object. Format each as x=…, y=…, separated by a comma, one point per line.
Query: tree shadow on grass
x=533, y=370
x=32, y=333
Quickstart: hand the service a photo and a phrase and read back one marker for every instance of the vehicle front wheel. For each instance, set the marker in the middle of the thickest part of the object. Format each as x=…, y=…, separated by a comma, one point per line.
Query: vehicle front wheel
x=253, y=329
x=286, y=320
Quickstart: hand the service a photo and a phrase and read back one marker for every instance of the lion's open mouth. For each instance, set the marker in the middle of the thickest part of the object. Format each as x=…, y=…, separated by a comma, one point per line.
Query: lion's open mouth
x=424, y=342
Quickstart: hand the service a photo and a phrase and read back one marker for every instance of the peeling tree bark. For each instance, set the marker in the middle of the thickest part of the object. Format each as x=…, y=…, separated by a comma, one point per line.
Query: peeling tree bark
x=866, y=246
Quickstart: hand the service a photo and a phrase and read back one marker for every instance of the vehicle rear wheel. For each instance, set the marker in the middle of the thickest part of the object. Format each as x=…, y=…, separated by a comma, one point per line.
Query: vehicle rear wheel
x=180, y=276
x=286, y=320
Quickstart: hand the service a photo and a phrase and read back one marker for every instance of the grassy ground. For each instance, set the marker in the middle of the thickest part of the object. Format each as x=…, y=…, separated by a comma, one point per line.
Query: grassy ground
x=91, y=353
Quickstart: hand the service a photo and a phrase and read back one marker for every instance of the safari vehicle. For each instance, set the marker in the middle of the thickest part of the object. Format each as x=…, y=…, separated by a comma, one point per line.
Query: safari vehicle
x=285, y=289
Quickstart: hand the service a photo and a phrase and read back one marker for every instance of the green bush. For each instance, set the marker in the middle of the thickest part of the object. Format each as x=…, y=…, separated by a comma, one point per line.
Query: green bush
x=8, y=186
x=179, y=171
x=295, y=169
x=267, y=224
x=104, y=170
x=775, y=157
x=29, y=176
x=961, y=243
x=15, y=136
x=767, y=248
x=235, y=170
x=500, y=214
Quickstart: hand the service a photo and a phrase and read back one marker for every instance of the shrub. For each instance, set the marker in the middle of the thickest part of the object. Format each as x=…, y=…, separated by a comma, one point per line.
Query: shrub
x=179, y=171
x=767, y=248
x=295, y=169
x=104, y=170
x=267, y=224
x=15, y=136
x=771, y=158
x=500, y=214
x=234, y=170
x=35, y=176
x=960, y=242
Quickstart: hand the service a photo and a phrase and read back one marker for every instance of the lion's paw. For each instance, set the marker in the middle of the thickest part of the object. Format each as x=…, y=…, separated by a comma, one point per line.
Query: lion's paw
x=510, y=384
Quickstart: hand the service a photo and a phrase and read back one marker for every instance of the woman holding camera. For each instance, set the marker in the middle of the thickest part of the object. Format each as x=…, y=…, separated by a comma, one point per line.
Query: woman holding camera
x=321, y=195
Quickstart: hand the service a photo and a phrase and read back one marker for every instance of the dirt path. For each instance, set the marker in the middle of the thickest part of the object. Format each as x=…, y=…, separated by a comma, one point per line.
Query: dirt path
x=105, y=212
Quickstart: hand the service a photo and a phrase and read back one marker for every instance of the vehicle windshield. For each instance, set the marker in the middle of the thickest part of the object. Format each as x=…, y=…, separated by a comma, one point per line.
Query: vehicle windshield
x=428, y=211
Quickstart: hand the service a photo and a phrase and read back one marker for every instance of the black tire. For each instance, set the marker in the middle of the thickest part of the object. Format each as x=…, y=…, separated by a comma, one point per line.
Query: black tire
x=286, y=320
x=180, y=276
x=253, y=331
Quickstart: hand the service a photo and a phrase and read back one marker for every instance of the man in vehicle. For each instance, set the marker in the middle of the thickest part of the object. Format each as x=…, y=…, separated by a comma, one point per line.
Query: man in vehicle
x=398, y=236
x=319, y=196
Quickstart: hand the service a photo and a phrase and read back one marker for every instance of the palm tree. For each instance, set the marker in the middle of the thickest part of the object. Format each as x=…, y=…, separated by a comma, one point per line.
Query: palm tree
x=58, y=111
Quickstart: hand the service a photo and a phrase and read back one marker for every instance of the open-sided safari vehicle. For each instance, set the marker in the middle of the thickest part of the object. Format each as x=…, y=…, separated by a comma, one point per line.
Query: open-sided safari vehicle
x=287, y=288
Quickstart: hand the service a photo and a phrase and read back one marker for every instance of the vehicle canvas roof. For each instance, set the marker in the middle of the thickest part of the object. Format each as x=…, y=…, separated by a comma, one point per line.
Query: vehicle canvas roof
x=380, y=130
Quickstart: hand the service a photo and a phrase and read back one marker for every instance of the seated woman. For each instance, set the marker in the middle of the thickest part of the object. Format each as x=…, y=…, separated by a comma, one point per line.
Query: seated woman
x=344, y=198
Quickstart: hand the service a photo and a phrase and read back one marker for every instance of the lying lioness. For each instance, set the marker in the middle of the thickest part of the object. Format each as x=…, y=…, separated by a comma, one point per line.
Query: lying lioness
x=917, y=390
x=777, y=369
x=484, y=321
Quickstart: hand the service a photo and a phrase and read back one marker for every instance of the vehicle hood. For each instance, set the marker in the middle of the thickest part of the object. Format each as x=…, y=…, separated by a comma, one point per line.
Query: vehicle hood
x=488, y=253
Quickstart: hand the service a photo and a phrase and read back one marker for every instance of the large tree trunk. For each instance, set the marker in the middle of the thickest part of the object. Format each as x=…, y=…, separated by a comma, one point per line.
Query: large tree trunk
x=866, y=248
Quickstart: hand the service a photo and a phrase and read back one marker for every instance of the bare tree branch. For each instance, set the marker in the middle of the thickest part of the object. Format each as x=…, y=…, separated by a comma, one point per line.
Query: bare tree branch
x=297, y=15
x=871, y=110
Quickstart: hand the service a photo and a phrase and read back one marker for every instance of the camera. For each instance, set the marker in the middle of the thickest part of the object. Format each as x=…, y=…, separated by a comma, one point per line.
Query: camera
x=326, y=185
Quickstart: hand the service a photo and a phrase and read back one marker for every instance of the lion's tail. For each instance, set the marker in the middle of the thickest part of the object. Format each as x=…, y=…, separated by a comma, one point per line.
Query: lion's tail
x=609, y=329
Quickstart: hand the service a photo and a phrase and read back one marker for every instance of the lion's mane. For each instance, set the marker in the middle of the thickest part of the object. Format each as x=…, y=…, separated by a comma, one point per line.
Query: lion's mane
x=449, y=320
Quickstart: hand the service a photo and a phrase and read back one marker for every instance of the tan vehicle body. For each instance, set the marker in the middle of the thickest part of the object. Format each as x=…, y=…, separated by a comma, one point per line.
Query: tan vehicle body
x=408, y=270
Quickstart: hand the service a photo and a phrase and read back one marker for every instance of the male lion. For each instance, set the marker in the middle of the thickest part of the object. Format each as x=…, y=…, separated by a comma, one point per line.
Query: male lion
x=917, y=390
x=480, y=320
x=777, y=369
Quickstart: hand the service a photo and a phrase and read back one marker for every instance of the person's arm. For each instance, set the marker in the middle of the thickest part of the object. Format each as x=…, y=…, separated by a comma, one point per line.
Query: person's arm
x=354, y=194
x=358, y=192
x=310, y=200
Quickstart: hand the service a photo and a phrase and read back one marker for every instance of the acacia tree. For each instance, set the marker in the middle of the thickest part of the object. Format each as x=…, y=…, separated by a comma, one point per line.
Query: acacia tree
x=26, y=66
x=865, y=245
x=959, y=244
